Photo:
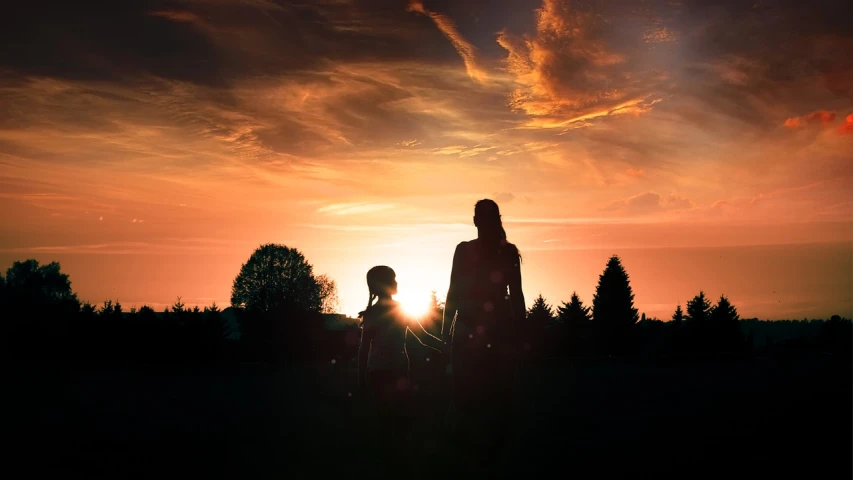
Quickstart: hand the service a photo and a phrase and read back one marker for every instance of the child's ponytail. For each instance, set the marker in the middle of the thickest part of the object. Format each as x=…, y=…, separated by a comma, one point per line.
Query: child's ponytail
x=379, y=279
x=369, y=304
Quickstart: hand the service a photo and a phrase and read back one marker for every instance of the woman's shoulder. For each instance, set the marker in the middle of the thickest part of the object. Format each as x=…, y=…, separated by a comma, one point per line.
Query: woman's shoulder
x=504, y=245
x=466, y=246
x=510, y=247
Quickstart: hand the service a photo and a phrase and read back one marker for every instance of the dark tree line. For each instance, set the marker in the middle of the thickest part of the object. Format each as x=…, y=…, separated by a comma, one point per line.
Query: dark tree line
x=44, y=323
x=278, y=315
x=278, y=306
x=612, y=326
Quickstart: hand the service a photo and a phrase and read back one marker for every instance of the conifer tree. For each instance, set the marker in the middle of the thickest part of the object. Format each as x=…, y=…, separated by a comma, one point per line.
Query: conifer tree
x=613, y=309
x=678, y=316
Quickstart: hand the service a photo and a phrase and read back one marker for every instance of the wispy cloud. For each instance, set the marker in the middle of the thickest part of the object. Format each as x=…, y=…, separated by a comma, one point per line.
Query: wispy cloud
x=354, y=208
x=462, y=46
x=165, y=246
x=504, y=197
x=821, y=117
x=176, y=15
x=387, y=227
x=649, y=202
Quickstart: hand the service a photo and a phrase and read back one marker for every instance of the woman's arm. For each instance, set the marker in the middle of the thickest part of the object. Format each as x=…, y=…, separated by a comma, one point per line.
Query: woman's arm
x=363, y=352
x=516, y=296
x=451, y=301
x=436, y=342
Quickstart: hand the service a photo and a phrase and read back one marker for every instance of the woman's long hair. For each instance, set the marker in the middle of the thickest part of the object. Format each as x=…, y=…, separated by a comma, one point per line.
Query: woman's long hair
x=490, y=227
x=489, y=223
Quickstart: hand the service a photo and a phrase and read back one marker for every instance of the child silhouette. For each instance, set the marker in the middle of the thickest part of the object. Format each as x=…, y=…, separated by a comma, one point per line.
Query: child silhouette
x=383, y=365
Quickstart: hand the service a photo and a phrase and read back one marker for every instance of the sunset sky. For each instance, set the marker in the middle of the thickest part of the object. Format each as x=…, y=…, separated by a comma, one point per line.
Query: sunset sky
x=150, y=146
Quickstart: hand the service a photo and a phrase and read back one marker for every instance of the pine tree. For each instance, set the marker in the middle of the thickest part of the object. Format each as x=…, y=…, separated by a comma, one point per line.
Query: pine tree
x=178, y=306
x=110, y=311
x=539, y=316
x=696, y=321
x=678, y=316
x=88, y=311
x=215, y=325
x=724, y=311
x=676, y=332
x=724, y=322
x=698, y=309
x=575, y=318
x=574, y=312
x=613, y=309
x=147, y=313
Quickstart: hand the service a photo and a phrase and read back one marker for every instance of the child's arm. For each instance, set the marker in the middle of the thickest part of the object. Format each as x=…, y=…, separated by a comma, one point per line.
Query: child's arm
x=363, y=352
x=436, y=342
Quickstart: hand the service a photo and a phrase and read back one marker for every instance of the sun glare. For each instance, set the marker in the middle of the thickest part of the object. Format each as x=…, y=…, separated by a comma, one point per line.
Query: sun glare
x=414, y=303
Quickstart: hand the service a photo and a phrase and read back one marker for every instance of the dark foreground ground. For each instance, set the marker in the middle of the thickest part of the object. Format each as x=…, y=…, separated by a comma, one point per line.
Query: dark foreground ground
x=596, y=418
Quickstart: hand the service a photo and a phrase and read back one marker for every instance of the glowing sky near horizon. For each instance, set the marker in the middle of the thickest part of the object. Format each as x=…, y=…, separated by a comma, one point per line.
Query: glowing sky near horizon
x=150, y=146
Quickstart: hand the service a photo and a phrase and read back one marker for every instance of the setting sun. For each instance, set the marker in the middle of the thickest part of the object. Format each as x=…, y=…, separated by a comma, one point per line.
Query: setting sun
x=418, y=274
x=414, y=302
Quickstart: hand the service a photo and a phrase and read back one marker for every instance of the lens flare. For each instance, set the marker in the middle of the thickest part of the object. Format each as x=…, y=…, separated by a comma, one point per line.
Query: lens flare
x=414, y=303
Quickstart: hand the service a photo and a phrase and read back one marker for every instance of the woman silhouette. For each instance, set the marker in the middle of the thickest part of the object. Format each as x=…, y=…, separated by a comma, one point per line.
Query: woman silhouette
x=484, y=309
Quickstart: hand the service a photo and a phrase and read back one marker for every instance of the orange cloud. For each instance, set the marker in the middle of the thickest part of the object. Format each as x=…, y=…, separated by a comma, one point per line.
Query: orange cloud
x=657, y=35
x=794, y=122
x=504, y=197
x=567, y=73
x=722, y=207
x=636, y=172
x=649, y=202
x=176, y=16
x=446, y=26
x=846, y=128
x=818, y=116
x=354, y=208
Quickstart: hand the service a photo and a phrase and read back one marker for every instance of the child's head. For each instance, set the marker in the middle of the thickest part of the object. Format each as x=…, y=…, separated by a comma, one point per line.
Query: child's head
x=382, y=281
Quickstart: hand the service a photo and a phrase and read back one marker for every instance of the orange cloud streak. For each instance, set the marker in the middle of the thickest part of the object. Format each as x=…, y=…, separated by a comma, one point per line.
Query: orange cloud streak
x=823, y=117
x=462, y=46
x=176, y=16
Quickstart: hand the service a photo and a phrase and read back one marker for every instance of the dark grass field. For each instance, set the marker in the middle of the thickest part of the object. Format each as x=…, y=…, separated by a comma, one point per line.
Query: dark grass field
x=596, y=418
